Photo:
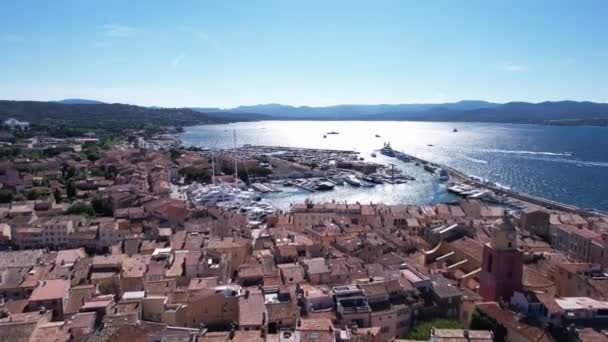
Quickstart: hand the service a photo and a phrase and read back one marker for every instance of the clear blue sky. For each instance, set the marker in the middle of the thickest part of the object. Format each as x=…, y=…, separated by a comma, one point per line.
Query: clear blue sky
x=228, y=53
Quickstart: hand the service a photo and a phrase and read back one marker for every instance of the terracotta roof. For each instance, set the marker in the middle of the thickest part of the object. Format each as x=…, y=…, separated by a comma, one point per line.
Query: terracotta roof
x=17, y=331
x=20, y=258
x=50, y=289
x=590, y=335
x=316, y=266
x=307, y=324
x=51, y=332
x=251, y=309
x=77, y=296
x=246, y=336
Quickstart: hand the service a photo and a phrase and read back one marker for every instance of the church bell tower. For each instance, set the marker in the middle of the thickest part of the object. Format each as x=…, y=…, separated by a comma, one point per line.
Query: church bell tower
x=502, y=263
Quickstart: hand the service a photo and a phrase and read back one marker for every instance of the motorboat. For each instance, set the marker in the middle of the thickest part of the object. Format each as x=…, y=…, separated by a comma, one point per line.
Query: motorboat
x=367, y=185
x=324, y=186
x=333, y=132
x=337, y=180
x=352, y=180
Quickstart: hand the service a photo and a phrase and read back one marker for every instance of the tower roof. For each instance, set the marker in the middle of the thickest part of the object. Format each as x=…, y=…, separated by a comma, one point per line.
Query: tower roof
x=504, y=223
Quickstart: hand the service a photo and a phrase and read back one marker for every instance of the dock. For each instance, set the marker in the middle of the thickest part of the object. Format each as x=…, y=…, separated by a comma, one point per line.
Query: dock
x=302, y=187
x=263, y=188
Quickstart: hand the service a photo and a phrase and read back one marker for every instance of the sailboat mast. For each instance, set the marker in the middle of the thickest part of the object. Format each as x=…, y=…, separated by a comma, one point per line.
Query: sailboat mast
x=212, y=167
x=236, y=171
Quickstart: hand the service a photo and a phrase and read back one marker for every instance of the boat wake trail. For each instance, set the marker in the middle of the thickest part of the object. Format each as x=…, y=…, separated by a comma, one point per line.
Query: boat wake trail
x=571, y=161
x=563, y=154
x=474, y=160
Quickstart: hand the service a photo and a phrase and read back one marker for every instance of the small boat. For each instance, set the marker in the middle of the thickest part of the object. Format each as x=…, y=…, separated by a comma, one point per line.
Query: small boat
x=324, y=136
x=338, y=180
x=377, y=135
x=373, y=154
x=333, y=132
x=367, y=185
x=324, y=186
x=455, y=130
x=430, y=145
x=377, y=180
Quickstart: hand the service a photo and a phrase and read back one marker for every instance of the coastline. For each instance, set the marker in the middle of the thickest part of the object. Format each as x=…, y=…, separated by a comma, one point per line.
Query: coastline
x=462, y=177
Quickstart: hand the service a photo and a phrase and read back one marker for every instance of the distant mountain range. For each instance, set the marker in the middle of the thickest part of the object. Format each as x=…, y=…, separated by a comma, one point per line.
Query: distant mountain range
x=80, y=101
x=358, y=111
x=557, y=113
x=91, y=115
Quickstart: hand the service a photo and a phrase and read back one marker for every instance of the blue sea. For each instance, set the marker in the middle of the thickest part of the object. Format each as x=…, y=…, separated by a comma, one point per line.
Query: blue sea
x=566, y=164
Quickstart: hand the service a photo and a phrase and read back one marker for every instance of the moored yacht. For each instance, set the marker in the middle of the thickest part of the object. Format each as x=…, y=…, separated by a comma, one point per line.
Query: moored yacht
x=387, y=150
x=352, y=180
x=324, y=186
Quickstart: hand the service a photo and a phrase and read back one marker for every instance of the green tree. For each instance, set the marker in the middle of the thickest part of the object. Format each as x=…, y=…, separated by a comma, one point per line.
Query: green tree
x=175, y=153
x=259, y=171
x=36, y=194
x=68, y=171
x=422, y=330
x=102, y=206
x=70, y=189
x=92, y=155
x=195, y=174
x=480, y=321
x=6, y=196
x=57, y=195
x=80, y=208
